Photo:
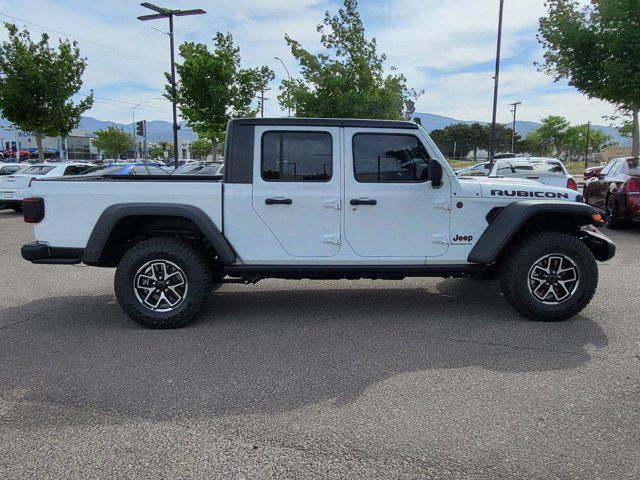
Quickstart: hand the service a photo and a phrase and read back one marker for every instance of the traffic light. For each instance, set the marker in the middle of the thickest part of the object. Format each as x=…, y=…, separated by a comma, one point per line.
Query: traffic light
x=141, y=128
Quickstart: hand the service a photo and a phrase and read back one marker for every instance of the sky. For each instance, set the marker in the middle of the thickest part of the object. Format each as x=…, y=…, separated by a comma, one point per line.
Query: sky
x=446, y=47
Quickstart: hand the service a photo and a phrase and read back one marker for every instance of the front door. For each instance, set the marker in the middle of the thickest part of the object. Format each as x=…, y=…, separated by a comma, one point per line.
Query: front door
x=297, y=188
x=391, y=209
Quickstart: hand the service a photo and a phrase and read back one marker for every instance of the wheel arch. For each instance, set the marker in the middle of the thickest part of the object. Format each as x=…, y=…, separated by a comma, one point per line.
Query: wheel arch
x=521, y=218
x=118, y=222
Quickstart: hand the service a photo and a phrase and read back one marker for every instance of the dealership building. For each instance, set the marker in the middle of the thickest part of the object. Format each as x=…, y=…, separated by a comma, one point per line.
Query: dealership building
x=78, y=145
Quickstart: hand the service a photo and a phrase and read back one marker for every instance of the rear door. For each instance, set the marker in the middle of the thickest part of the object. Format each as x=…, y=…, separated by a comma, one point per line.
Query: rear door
x=391, y=209
x=297, y=187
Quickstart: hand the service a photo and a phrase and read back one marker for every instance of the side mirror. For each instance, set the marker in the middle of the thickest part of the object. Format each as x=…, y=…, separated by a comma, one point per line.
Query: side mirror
x=435, y=173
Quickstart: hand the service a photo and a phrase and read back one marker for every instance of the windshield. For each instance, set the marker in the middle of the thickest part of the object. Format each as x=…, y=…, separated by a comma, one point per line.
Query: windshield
x=634, y=167
x=39, y=169
x=104, y=170
x=208, y=169
x=529, y=168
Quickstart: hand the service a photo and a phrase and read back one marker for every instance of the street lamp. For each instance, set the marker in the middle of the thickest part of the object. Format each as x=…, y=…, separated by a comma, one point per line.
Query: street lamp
x=168, y=13
x=492, y=149
x=288, y=75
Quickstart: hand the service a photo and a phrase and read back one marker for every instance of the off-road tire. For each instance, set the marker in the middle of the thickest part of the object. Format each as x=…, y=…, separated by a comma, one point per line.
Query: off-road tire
x=181, y=253
x=515, y=268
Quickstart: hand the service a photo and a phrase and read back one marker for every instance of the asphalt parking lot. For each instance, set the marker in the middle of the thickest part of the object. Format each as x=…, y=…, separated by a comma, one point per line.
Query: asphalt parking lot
x=424, y=378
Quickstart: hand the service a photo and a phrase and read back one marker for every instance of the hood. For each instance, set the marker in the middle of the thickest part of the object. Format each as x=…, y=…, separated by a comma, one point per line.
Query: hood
x=518, y=189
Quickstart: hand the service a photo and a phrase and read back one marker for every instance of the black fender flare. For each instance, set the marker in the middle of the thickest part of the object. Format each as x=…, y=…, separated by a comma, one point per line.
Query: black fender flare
x=112, y=215
x=507, y=223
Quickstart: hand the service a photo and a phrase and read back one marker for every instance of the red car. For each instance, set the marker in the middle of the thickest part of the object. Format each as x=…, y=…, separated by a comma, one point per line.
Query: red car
x=616, y=191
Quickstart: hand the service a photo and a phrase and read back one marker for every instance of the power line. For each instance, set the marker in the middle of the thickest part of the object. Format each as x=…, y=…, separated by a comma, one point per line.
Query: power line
x=113, y=51
x=98, y=98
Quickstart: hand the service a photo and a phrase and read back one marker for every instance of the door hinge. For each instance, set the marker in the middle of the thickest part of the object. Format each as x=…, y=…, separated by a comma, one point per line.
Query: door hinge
x=441, y=239
x=443, y=204
x=332, y=203
x=331, y=239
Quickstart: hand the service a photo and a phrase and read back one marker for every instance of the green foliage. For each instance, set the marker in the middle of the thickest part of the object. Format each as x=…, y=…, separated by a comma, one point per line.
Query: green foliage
x=597, y=49
x=113, y=141
x=37, y=82
x=213, y=88
x=351, y=83
x=200, y=148
x=158, y=150
x=470, y=138
x=558, y=138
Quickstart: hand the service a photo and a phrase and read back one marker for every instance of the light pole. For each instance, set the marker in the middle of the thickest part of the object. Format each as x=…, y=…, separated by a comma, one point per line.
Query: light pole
x=492, y=149
x=513, y=130
x=167, y=13
x=289, y=76
x=135, y=133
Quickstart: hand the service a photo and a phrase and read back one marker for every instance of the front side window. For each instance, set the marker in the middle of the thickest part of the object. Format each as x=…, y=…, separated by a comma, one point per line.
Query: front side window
x=297, y=157
x=384, y=158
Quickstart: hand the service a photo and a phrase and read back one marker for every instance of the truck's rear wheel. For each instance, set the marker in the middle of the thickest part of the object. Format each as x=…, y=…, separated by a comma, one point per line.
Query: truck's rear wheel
x=549, y=276
x=162, y=282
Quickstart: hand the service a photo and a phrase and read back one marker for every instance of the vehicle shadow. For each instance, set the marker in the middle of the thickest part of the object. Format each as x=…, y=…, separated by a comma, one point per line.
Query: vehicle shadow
x=263, y=351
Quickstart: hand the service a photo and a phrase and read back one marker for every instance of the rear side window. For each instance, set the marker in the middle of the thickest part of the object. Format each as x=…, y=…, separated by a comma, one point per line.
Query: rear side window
x=39, y=169
x=388, y=158
x=76, y=169
x=297, y=157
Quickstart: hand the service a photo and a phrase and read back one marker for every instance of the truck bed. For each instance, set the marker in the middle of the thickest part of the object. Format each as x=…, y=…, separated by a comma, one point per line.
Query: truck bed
x=74, y=204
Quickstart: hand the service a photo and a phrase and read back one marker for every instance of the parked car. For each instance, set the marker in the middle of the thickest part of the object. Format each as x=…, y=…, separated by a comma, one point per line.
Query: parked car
x=294, y=204
x=15, y=188
x=11, y=168
x=549, y=171
x=616, y=191
x=477, y=170
x=199, y=168
x=125, y=169
x=592, y=172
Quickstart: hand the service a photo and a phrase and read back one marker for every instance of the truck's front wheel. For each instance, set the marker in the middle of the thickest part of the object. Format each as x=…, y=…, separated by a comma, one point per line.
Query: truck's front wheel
x=162, y=282
x=549, y=276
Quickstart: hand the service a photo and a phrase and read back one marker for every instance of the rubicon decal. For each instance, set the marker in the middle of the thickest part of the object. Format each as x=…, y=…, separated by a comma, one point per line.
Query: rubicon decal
x=525, y=193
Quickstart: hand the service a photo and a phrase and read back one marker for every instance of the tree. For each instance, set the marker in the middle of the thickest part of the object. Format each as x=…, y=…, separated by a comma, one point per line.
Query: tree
x=212, y=88
x=113, y=141
x=37, y=82
x=352, y=82
x=597, y=49
x=552, y=134
x=575, y=143
x=200, y=148
x=459, y=139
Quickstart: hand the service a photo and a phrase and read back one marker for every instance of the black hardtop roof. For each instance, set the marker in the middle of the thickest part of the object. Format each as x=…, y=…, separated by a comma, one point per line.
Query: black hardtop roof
x=326, y=122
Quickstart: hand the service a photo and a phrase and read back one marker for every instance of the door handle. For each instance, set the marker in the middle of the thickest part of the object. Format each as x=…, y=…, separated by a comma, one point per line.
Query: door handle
x=278, y=201
x=363, y=201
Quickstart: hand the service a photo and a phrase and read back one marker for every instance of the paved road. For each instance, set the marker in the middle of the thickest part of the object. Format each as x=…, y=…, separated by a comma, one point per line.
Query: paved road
x=416, y=379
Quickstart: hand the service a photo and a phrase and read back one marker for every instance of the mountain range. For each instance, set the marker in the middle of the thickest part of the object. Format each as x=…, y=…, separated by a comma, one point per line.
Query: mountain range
x=158, y=130
x=432, y=122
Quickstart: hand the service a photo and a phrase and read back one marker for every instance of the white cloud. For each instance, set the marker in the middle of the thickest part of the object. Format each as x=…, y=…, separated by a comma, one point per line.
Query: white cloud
x=437, y=44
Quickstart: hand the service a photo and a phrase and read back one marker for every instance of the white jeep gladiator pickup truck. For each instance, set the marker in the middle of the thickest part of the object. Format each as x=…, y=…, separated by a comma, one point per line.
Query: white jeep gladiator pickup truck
x=319, y=199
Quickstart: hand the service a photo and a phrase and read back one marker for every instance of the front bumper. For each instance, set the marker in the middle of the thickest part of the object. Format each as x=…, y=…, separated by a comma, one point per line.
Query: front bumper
x=601, y=246
x=41, y=253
